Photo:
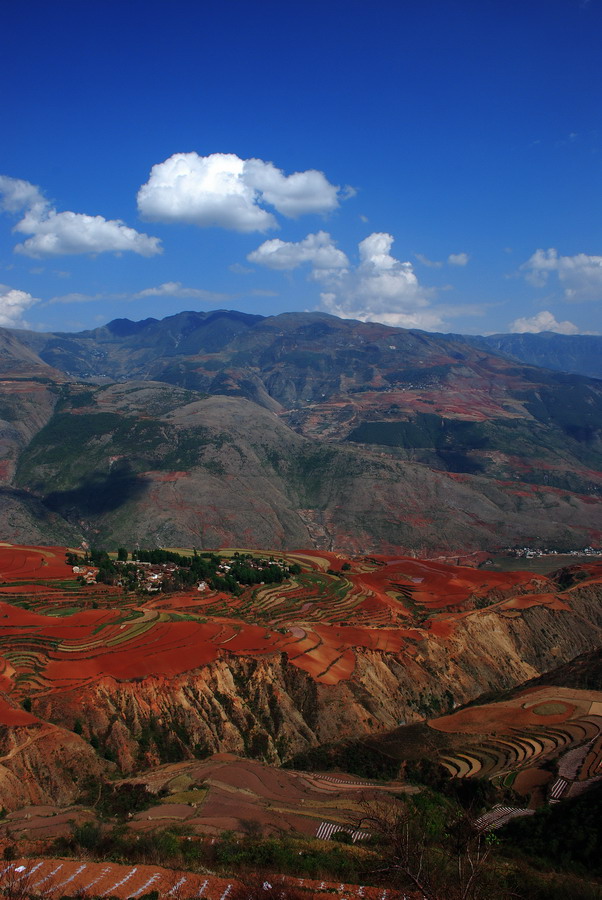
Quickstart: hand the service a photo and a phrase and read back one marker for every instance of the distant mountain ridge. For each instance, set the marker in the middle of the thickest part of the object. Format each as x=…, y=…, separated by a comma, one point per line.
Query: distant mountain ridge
x=580, y=354
x=293, y=430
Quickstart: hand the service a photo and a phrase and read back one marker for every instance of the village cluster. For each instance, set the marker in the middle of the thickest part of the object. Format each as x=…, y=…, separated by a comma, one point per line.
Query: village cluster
x=164, y=570
x=536, y=552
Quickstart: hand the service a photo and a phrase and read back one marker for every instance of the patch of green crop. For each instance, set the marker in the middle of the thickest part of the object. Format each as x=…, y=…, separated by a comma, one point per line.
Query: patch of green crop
x=451, y=443
x=60, y=611
x=575, y=408
x=193, y=796
x=184, y=374
x=67, y=434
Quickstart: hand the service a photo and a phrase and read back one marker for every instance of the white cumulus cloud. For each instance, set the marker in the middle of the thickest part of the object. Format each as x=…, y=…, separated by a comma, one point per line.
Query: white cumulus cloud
x=60, y=233
x=292, y=195
x=13, y=304
x=317, y=249
x=543, y=321
x=203, y=191
x=229, y=192
x=16, y=194
x=380, y=289
x=580, y=276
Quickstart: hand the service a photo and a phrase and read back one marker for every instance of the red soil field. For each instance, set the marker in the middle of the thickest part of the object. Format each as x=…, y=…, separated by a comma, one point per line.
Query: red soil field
x=441, y=628
x=438, y=585
x=552, y=601
x=530, y=782
x=318, y=619
x=23, y=563
x=10, y=715
x=503, y=717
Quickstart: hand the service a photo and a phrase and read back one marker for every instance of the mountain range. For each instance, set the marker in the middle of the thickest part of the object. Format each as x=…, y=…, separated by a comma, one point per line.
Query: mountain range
x=302, y=429
x=578, y=353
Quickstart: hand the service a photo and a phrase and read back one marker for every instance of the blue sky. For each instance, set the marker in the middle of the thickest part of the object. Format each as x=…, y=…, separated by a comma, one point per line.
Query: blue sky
x=427, y=163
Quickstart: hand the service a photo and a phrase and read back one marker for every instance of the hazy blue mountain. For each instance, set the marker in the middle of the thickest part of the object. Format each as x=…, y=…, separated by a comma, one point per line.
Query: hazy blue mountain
x=578, y=353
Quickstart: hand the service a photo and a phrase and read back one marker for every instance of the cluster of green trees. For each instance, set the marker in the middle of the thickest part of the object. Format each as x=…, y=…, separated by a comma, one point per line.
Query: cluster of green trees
x=108, y=571
x=230, y=853
x=567, y=834
x=354, y=757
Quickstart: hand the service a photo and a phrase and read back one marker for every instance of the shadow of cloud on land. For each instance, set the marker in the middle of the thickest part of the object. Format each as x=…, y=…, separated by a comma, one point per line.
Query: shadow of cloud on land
x=99, y=493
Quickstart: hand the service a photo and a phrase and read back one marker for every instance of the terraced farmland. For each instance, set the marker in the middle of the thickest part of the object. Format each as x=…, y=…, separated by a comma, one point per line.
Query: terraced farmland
x=319, y=618
x=524, y=735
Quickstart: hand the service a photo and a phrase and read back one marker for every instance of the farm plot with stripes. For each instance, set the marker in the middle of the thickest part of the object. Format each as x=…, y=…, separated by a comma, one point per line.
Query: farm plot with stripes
x=56, y=878
x=237, y=790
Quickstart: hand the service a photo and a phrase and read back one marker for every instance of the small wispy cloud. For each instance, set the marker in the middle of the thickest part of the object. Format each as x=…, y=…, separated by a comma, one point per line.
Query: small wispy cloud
x=458, y=259
x=173, y=289
x=454, y=259
x=429, y=263
x=177, y=289
x=239, y=269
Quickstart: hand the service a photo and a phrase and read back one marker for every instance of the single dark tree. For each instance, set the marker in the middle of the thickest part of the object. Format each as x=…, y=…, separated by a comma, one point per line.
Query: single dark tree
x=430, y=845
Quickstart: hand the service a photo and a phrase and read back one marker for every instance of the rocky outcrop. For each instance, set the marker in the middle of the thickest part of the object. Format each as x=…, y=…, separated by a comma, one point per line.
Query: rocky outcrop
x=44, y=764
